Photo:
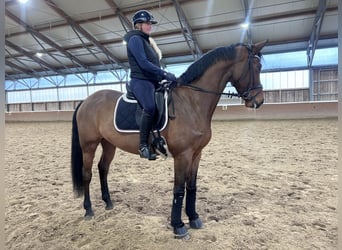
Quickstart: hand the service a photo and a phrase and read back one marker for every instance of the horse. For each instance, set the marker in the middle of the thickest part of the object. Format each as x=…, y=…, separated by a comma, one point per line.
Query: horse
x=194, y=101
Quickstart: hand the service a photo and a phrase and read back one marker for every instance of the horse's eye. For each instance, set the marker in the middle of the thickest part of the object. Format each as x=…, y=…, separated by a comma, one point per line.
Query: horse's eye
x=259, y=67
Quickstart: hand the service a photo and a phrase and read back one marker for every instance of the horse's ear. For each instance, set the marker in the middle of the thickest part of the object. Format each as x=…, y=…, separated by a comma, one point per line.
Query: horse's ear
x=256, y=48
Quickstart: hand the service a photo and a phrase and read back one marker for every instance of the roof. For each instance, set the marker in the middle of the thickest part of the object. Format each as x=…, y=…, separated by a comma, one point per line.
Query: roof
x=59, y=37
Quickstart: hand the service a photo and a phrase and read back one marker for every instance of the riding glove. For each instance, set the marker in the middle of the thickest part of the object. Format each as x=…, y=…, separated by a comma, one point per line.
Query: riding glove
x=169, y=76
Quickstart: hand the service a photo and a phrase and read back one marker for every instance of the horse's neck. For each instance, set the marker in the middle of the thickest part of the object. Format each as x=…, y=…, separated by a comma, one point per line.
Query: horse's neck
x=216, y=77
x=213, y=80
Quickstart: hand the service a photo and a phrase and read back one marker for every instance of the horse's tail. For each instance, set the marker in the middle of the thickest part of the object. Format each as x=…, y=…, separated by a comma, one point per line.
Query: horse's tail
x=76, y=157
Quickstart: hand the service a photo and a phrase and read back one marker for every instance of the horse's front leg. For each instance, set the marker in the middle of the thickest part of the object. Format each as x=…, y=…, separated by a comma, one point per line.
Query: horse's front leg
x=181, y=166
x=191, y=189
x=179, y=228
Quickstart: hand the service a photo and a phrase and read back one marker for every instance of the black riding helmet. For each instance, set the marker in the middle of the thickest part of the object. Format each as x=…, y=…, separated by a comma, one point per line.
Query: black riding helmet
x=143, y=16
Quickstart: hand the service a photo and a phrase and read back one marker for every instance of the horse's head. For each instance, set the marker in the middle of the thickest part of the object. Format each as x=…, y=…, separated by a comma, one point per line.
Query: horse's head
x=246, y=74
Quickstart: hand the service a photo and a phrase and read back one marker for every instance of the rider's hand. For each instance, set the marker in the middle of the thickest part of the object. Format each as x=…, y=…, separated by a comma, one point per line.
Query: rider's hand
x=169, y=76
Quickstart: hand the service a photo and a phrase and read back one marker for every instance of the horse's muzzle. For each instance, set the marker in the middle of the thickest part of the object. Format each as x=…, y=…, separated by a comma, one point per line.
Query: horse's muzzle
x=255, y=101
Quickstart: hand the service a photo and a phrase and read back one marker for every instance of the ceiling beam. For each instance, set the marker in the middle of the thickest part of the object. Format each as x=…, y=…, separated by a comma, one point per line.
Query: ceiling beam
x=9, y=3
x=174, y=32
x=316, y=30
x=29, y=55
x=50, y=26
x=247, y=8
x=187, y=31
x=126, y=24
x=21, y=69
x=45, y=39
x=85, y=33
x=266, y=18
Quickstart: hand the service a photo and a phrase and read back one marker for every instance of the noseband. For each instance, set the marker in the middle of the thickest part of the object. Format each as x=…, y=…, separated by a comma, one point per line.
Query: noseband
x=246, y=95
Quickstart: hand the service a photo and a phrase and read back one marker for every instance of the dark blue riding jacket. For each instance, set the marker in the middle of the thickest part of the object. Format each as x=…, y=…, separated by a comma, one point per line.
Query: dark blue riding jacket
x=142, y=58
x=145, y=69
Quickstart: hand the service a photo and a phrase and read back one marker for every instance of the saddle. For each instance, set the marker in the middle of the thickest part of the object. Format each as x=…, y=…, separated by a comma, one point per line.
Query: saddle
x=127, y=115
x=128, y=111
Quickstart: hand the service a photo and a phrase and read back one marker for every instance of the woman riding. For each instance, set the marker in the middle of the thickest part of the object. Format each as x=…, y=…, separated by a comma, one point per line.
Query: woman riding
x=146, y=73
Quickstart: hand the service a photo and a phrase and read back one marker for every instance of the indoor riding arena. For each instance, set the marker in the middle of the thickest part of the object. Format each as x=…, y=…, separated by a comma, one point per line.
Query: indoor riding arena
x=268, y=177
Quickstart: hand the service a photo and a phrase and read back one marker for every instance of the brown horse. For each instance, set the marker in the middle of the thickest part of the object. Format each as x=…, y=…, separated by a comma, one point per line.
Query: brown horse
x=194, y=101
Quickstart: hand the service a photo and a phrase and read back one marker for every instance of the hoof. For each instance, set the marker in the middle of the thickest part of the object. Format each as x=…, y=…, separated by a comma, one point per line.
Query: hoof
x=89, y=215
x=181, y=233
x=196, y=224
x=109, y=206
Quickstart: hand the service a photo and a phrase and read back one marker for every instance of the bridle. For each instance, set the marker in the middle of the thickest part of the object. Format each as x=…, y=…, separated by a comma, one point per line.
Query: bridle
x=246, y=95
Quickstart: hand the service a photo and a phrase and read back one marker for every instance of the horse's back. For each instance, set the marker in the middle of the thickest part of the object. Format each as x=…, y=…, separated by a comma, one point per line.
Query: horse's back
x=100, y=101
x=103, y=95
x=96, y=110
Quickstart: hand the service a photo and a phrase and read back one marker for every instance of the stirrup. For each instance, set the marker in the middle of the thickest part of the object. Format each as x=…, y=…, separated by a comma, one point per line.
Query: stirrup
x=146, y=153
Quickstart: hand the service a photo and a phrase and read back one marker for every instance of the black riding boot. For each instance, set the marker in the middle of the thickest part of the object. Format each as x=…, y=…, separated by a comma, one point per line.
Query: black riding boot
x=145, y=129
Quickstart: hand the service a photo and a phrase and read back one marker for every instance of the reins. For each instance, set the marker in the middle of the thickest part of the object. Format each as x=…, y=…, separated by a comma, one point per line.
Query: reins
x=245, y=95
x=196, y=88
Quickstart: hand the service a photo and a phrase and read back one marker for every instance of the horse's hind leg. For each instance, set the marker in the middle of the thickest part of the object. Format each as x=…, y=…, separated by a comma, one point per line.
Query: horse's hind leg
x=103, y=166
x=88, y=157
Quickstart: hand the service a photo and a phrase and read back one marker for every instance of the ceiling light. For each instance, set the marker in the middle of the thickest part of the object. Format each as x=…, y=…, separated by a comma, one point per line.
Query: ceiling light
x=245, y=25
x=38, y=54
x=23, y=1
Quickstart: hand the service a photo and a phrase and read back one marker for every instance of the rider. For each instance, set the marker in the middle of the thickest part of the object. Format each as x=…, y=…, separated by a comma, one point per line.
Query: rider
x=146, y=74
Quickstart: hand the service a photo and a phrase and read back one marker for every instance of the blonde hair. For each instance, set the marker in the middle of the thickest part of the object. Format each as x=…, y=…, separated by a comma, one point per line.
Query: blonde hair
x=137, y=26
x=153, y=43
x=156, y=48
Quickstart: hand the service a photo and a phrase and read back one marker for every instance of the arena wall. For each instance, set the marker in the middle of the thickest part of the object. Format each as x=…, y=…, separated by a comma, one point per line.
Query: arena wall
x=305, y=110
